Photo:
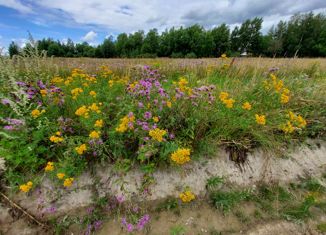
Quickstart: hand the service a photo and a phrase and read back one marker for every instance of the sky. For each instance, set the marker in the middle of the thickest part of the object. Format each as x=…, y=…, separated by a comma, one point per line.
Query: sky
x=93, y=20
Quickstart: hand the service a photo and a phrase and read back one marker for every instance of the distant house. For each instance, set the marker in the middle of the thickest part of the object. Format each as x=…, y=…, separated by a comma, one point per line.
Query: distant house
x=244, y=54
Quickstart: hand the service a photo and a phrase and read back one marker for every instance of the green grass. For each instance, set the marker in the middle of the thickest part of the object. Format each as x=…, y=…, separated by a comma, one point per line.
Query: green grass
x=227, y=200
x=199, y=119
x=177, y=230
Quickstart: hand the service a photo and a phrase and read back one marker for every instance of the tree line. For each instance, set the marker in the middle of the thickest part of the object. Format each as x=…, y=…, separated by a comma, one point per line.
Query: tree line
x=304, y=35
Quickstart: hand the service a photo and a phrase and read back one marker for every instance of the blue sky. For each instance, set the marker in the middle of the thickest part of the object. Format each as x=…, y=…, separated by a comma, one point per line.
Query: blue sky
x=93, y=20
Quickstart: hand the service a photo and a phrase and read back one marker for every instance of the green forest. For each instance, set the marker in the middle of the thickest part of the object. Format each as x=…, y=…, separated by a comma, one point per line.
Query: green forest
x=304, y=35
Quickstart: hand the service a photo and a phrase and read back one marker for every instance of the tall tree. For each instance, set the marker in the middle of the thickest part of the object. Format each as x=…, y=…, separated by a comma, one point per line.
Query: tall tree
x=13, y=49
x=221, y=38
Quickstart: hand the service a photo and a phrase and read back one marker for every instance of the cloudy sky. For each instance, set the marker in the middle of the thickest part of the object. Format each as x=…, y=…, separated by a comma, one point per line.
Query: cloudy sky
x=93, y=20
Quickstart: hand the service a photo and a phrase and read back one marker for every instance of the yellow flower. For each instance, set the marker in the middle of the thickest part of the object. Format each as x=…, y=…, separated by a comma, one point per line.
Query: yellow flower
x=156, y=119
x=223, y=56
x=43, y=92
x=58, y=133
x=92, y=93
x=292, y=116
x=49, y=166
x=126, y=123
x=181, y=156
x=168, y=104
x=98, y=123
x=94, y=134
x=229, y=103
x=302, y=122
x=286, y=91
x=60, y=175
x=157, y=134
x=57, y=80
x=246, y=106
x=94, y=108
x=36, y=113
x=81, y=149
x=26, y=187
x=75, y=92
x=260, y=119
x=187, y=196
x=82, y=111
x=223, y=95
x=284, y=98
x=56, y=139
x=288, y=128
x=278, y=85
x=68, y=182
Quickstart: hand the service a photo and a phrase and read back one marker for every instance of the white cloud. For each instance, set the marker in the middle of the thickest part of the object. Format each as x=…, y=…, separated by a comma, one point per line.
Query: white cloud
x=21, y=42
x=90, y=36
x=131, y=15
x=17, y=5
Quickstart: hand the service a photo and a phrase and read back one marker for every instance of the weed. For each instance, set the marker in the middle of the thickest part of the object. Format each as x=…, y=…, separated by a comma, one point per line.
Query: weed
x=301, y=211
x=214, y=182
x=177, y=230
x=227, y=200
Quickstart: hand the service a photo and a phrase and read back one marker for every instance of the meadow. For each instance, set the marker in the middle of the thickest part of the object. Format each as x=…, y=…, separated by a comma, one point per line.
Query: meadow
x=61, y=116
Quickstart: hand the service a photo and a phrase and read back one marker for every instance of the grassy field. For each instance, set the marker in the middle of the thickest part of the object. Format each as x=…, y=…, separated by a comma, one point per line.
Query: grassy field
x=60, y=116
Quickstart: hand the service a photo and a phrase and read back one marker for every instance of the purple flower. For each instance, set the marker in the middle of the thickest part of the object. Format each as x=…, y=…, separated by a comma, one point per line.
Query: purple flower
x=9, y=128
x=130, y=227
x=120, y=198
x=16, y=122
x=171, y=136
x=143, y=221
x=97, y=224
x=88, y=230
x=140, y=105
x=124, y=221
x=21, y=83
x=51, y=210
x=41, y=84
x=147, y=115
x=5, y=101
x=90, y=210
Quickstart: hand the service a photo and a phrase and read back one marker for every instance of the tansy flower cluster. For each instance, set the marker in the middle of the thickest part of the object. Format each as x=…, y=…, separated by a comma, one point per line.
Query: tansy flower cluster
x=182, y=85
x=181, y=156
x=157, y=134
x=75, y=92
x=36, y=113
x=95, y=108
x=126, y=123
x=26, y=187
x=82, y=111
x=246, y=106
x=187, y=196
x=81, y=149
x=294, y=122
x=56, y=138
x=43, y=92
x=279, y=88
x=61, y=175
x=49, y=166
x=98, y=123
x=94, y=135
x=260, y=119
x=224, y=97
x=92, y=93
x=68, y=182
